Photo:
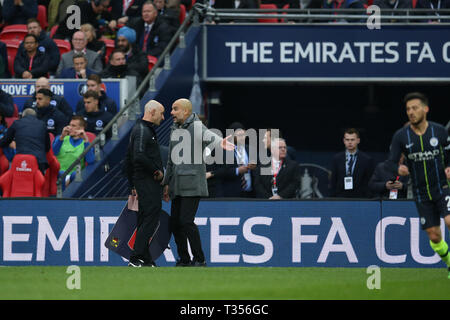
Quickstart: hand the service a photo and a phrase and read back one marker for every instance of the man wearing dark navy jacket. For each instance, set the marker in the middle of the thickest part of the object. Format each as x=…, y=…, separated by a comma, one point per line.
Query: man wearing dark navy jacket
x=351, y=169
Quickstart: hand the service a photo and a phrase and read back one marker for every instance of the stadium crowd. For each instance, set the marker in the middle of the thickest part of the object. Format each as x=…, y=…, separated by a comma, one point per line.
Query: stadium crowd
x=122, y=38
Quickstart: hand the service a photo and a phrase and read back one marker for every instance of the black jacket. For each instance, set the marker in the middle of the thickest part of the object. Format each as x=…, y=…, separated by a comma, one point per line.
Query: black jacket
x=31, y=137
x=19, y=14
x=54, y=119
x=6, y=104
x=97, y=121
x=143, y=156
x=57, y=101
x=47, y=45
x=287, y=180
x=159, y=36
x=120, y=72
x=361, y=175
x=39, y=67
x=377, y=183
x=104, y=102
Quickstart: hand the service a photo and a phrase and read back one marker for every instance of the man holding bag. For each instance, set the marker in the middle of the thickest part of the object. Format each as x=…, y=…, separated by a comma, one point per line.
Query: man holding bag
x=144, y=170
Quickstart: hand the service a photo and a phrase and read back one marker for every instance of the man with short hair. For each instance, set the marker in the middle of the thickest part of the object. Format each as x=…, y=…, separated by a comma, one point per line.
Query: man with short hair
x=426, y=148
x=46, y=44
x=79, y=42
x=351, y=169
x=144, y=170
x=283, y=180
x=68, y=146
x=94, y=83
x=57, y=101
x=152, y=33
x=31, y=62
x=96, y=118
x=118, y=68
x=52, y=117
x=79, y=69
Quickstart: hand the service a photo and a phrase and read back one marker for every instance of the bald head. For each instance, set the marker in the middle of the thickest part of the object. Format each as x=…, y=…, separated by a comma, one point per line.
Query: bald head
x=153, y=112
x=181, y=110
x=42, y=83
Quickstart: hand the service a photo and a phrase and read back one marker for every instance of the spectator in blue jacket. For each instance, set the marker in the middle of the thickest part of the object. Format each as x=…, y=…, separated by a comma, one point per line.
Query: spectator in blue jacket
x=94, y=83
x=96, y=118
x=53, y=118
x=79, y=69
x=31, y=137
x=45, y=44
x=6, y=104
x=31, y=62
x=19, y=11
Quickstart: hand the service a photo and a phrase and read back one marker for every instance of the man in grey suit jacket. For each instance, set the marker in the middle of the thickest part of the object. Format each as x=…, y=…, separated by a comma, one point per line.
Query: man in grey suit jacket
x=79, y=42
x=185, y=178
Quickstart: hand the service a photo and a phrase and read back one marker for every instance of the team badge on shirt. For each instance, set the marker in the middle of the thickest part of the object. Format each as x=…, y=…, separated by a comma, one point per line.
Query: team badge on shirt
x=434, y=141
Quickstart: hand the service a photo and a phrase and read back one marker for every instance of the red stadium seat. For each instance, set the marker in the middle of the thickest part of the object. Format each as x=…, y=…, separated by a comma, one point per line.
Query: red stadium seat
x=110, y=45
x=12, y=46
x=91, y=136
x=268, y=6
x=151, y=61
x=182, y=15
x=63, y=46
x=51, y=175
x=14, y=32
x=42, y=16
x=24, y=179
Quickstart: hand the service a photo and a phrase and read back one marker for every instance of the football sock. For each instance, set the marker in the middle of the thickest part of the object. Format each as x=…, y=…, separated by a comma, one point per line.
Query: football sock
x=441, y=249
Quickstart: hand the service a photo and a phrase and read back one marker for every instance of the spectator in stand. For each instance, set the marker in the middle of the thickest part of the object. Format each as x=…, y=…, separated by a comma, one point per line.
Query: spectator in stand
x=94, y=83
x=79, y=42
x=118, y=67
x=122, y=11
x=170, y=15
x=232, y=4
x=93, y=43
x=385, y=185
x=344, y=4
x=236, y=178
x=393, y=4
x=279, y=179
x=59, y=102
x=153, y=34
x=57, y=11
x=301, y=4
x=19, y=11
x=94, y=12
x=31, y=62
x=68, y=146
x=4, y=64
x=45, y=44
x=136, y=58
x=6, y=104
x=434, y=5
x=79, y=69
x=351, y=169
x=52, y=117
x=31, y=137
x=96, y=118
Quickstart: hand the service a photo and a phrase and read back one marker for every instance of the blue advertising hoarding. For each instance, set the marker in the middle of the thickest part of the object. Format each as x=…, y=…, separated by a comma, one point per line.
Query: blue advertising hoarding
x=234, y=233
x=72, y=90
x=327, y=52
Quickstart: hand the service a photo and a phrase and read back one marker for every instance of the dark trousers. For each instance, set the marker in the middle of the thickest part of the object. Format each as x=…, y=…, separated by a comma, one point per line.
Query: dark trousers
x=149, y=201
x=182, y=215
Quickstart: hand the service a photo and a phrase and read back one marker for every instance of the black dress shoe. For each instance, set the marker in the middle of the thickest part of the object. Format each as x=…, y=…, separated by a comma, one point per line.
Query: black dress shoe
x=181, y=263
x=198, y=264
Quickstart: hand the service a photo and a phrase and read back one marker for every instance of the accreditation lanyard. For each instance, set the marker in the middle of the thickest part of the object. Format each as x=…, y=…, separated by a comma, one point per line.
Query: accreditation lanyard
x=275, y=172
x=31, y=63
x=126, y=5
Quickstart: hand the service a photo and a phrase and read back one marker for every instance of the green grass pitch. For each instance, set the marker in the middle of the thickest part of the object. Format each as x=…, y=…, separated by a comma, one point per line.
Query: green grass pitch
x=217, y=283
